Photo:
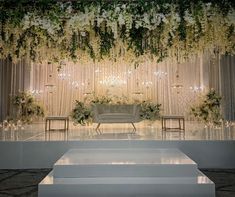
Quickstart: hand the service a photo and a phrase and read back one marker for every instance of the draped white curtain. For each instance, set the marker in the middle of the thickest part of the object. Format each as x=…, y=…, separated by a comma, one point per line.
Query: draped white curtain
x=13, y=78
x=58, y=90
x=227, y=86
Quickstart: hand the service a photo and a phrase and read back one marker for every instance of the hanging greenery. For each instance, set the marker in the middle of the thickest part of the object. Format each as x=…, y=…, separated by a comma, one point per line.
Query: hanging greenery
x=94, y=30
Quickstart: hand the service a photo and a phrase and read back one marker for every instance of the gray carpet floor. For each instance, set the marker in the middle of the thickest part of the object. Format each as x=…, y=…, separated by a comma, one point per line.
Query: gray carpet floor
x=17, y=183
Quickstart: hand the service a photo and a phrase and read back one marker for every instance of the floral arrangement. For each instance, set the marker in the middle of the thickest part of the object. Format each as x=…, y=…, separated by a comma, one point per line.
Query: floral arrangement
x=149, y=111
x=101, y=99
x=81, y=114
x=132, y=31
x=208, y=108
x=27, y=108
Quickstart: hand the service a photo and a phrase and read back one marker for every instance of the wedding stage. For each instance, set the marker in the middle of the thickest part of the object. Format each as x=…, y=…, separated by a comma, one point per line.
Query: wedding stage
x=119, y=98
x=30, y=148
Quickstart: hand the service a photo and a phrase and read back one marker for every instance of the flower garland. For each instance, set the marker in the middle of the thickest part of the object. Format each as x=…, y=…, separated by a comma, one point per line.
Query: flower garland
x=92, y=31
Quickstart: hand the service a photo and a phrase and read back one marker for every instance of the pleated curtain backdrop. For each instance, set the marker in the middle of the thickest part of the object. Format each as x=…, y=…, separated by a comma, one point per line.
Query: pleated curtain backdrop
x=13, y=78
x=228, y=86
x=57, y=91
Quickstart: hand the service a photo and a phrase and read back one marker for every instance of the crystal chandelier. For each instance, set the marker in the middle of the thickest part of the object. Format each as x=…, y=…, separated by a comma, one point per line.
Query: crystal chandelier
x=177, y=85
x=113, y=81
x=160, y=74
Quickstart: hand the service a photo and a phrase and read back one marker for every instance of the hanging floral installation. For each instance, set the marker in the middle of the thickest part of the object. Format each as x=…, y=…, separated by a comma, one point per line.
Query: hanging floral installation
x=131, y=31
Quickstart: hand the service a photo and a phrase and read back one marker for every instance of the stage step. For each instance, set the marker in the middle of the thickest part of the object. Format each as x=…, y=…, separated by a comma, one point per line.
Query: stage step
x=199, y=186
x=126, y=173
x=124, y=163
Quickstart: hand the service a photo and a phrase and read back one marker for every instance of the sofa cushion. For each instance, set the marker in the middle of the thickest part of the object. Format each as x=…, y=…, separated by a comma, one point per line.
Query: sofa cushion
x=123, y=113
x=103, y=108
x=114, y=116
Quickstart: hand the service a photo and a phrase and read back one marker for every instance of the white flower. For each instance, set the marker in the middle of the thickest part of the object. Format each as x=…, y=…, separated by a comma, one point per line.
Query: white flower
x=69, y=9
x=117, y=9
x=138, y=24
x=188, y=18
x=146, y=18
x=121, y=20
x=231, y=16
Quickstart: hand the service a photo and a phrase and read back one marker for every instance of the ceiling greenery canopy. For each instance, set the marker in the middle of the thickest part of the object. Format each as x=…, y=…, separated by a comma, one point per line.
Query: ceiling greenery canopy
x=128, y=30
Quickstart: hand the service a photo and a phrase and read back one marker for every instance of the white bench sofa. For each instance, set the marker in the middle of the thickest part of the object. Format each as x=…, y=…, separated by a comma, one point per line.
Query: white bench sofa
x=118, y=113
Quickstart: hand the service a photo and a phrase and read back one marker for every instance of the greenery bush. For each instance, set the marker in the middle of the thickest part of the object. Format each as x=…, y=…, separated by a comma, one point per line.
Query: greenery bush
x=149, y=110
x=82, y=111
x=208, y=108
x=81, y=114
x=27, y=108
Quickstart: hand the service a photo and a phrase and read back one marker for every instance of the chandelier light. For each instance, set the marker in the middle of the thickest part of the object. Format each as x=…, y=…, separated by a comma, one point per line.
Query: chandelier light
x=64, y=75
x=177, y=85
x=196, y=88
x=113, y=81
x=137, y=92
x=147, y=84
x=160, y=74
x=76, y=84
x=50, y=88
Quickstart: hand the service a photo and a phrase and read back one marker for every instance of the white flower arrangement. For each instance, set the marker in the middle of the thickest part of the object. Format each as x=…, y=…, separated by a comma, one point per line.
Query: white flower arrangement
x=55, y=34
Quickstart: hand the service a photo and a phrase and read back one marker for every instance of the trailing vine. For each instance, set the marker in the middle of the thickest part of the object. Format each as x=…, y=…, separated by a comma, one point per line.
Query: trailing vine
x=134, y=30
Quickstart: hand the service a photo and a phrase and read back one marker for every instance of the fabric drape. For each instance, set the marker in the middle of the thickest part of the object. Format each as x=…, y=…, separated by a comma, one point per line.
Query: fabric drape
x=57, y=91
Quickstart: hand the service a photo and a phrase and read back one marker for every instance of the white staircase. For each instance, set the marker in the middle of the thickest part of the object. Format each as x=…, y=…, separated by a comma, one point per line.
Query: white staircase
x=126, y=173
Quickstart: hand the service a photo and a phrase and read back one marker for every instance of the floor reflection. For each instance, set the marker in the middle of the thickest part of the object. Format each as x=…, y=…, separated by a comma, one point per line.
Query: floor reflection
x=194, y=131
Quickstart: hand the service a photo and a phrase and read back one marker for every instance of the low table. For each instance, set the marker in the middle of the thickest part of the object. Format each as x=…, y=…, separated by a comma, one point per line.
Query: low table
x=173, y=117
x=65, y=119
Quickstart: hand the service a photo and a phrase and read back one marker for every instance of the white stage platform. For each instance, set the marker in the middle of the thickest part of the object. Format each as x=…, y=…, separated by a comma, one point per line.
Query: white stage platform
x=126, y=173
x=43, y=154
x=87, y=163
x=30, y=148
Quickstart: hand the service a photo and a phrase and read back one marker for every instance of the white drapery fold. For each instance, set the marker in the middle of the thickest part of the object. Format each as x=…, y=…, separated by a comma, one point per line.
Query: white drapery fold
x=150, y=81
x=57, y=91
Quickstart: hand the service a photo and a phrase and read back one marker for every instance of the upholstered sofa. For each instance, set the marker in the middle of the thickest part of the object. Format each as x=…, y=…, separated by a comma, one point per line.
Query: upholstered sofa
x=118, y=113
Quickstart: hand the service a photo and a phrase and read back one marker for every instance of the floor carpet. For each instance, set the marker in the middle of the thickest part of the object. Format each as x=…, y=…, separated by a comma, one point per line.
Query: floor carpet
x=23, y=183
